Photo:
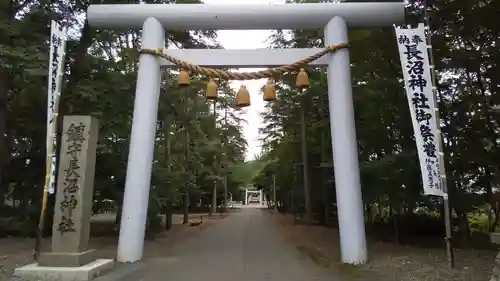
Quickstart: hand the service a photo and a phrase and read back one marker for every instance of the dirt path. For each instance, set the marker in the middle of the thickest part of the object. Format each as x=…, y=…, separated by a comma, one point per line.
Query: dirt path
x=246, y=246
x=15, y=252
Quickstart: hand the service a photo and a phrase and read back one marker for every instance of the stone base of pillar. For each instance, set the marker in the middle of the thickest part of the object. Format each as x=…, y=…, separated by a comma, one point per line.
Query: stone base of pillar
x=495, y=276
x=81, y=273
x=53, y=259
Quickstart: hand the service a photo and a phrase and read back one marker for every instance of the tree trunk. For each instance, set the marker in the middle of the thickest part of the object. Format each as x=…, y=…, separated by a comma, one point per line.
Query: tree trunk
x=463, y=223
x=4, y=154
x=326, y=199
x=496, y=212
x=118, y=216
x=305, y=165
x=186, y=191
x=395, y=224
x=168, y=216
x=4, y=91
x=369, y=213
x=213, y=207
x=167, y=139
x=185, y=218
x=380, y=209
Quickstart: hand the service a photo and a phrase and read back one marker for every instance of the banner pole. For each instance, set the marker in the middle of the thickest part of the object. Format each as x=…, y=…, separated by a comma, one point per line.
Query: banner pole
x=54, y=95
x=442, y=168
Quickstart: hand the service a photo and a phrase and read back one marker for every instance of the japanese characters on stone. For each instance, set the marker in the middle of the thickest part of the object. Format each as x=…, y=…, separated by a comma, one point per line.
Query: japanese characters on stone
x=73, y=139
x=417, y=76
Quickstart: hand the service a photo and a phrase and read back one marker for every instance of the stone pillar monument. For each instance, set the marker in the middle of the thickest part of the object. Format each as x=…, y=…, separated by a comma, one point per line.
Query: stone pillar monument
x=73, y=207
x=495, y=239
x=75, y=187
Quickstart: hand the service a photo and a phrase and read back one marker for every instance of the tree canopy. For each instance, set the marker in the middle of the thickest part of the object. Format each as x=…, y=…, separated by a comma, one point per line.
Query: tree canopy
x=99, y=80
x=464, y=40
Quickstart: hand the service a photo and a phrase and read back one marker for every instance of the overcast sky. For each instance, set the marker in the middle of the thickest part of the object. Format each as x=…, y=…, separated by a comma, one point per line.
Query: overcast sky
x=248, y=39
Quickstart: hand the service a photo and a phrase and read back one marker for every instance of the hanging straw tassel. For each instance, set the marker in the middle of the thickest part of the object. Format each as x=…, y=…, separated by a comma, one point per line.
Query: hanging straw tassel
x=243, y=97
x=183, y=78
x=211, y=90
x=302, y=81
x=269, y=91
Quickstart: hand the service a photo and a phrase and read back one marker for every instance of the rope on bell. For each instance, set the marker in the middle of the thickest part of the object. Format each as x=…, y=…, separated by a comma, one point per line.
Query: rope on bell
x=228, y=75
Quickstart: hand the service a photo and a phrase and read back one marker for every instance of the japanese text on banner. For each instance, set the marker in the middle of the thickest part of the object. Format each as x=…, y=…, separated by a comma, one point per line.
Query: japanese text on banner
x=417, y=79
x=58, y=36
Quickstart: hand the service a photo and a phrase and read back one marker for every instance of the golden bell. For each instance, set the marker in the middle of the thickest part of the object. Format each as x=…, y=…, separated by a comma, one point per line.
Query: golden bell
x=302, y=79
x=242, y=97
x=183, y=79
x=269, y=91
x=211, y=90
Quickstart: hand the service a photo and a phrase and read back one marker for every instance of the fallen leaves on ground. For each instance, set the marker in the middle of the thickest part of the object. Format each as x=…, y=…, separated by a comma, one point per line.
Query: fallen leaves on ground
x=387, y=261
x=16, y=252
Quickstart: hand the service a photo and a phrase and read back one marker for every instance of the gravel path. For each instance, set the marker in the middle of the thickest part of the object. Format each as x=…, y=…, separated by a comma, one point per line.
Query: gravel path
x=246, y=246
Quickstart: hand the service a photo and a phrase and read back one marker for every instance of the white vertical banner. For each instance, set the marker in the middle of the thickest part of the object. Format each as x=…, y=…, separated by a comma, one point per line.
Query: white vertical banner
x=419, y=90
x=58, y=37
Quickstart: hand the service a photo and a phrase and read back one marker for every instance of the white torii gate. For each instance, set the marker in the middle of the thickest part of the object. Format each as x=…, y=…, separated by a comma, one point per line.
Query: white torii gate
x=259, y=192
x=154, y=19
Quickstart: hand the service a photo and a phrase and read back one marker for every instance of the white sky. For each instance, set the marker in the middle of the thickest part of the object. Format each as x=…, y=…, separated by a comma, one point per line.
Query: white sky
x=248, y=39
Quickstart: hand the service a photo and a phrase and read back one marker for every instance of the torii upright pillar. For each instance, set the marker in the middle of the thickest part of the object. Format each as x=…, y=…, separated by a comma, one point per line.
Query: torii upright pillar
x=335, y=17
x=345, y=148
x=142, y=140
